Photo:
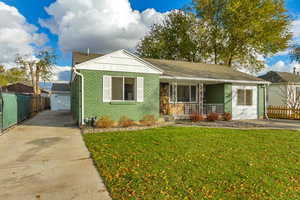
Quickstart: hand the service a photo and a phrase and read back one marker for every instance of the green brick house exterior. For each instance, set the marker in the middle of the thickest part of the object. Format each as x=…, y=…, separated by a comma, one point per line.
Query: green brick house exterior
x=95, y=107
x=89, y=87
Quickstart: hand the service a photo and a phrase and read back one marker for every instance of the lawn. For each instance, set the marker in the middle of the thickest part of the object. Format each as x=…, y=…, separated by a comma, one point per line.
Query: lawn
x=198, y=163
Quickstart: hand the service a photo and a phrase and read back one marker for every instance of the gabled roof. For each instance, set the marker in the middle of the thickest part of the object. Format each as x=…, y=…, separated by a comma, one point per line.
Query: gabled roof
x=184, y=69
x=280, y=77
x=20, y=88
x=60, y=87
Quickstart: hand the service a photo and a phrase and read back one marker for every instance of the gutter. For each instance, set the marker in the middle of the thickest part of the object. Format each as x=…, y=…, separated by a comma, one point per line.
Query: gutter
x=82, y=94
x=215, y=80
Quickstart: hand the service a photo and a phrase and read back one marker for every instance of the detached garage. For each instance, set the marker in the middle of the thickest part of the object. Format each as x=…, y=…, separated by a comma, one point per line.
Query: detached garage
x=60, y=96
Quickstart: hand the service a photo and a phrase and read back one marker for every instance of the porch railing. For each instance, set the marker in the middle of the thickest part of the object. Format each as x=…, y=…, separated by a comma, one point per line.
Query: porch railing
x=217, y=108
x=189, y=108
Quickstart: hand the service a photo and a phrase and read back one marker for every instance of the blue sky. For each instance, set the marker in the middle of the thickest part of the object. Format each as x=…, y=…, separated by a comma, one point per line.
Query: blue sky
x=57, y=27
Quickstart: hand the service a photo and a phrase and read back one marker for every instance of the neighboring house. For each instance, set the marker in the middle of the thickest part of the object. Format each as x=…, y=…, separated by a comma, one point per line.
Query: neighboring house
x=284, y=90
x=121, y=83
x=21, y=88
x=60, y=96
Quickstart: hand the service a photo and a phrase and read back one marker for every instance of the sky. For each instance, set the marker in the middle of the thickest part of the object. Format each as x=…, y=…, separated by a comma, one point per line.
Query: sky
x=101, y=25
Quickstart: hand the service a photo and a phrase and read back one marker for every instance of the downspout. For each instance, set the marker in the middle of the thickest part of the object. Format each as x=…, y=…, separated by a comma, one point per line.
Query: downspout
x=82, y=95
x=265, y=102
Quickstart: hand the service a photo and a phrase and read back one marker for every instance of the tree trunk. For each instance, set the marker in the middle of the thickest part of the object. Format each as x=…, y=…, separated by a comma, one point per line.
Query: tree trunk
x=37, y=81
x=215, y=52
x=32, y=75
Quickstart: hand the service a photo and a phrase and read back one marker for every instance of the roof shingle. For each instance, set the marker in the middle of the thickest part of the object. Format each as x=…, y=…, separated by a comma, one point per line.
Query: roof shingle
x=60, y=87
x=184, y=69
x=200, y=70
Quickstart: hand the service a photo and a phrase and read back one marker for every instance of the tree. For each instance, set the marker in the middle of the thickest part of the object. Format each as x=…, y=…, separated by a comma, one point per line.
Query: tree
x=37, y=69
x=173, y=39
x=239, y=31
x=229, y=32
x=13, y=75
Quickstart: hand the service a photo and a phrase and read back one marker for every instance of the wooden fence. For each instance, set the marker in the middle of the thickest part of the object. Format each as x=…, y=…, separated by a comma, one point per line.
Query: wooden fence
x=283, y=112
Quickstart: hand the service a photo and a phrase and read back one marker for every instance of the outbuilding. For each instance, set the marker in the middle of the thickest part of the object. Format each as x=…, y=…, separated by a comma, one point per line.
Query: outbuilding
x=60, y=96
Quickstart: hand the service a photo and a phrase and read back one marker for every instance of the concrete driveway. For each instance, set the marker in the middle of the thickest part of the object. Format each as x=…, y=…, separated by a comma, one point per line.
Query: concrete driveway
x=45, y=158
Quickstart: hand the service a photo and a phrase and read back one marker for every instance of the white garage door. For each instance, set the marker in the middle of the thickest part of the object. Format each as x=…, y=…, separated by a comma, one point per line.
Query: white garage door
x=60, y=102
x=244, y=102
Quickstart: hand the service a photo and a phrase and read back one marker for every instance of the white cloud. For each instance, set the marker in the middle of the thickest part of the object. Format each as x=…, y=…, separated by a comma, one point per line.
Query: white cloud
x=102, y=26
x=281, y=66
x=16, y=35
x=295, y=29
x=61, y=73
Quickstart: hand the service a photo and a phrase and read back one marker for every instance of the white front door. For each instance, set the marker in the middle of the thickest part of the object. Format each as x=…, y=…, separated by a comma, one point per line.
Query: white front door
x=244, y=102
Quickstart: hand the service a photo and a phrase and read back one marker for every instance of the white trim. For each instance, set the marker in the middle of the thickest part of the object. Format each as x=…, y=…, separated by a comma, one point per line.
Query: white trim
x=215, y=80
x=96, y=64
x=123, y=85
x=140, y=89
x=143, y=61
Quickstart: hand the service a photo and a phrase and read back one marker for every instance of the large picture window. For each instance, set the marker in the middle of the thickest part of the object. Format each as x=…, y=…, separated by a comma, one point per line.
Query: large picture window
x=183, y=93
x=122, y=89
x=244, y=97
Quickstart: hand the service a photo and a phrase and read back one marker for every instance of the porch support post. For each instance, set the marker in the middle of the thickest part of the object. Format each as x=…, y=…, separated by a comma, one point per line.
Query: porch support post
x=200, y=98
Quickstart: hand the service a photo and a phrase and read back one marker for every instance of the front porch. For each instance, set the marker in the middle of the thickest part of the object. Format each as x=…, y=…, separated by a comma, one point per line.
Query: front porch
x=180, y=99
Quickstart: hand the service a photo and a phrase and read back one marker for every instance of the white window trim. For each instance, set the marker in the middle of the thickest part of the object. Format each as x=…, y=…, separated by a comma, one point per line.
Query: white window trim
x=245, y=98
x=190, y=93
x=123, y=83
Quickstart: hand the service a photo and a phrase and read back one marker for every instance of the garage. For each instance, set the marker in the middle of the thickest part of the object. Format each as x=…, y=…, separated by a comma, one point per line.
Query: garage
x=60, y=96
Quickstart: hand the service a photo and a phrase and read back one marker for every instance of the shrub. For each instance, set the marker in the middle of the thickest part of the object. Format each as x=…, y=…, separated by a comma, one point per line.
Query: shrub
x=227, y=116
x=125, y=122
x=213, y=117
x=148, y=120
x=104, y=122
x=195, y=117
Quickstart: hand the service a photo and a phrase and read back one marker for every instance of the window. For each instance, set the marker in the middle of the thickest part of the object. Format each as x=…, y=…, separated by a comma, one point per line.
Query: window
x=244, y=97
x=298, y=92
x=122, y=88
x=184, y=93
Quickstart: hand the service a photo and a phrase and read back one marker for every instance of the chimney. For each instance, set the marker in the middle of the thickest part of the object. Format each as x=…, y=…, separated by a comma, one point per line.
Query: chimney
x=294, y=70
x=88, y=53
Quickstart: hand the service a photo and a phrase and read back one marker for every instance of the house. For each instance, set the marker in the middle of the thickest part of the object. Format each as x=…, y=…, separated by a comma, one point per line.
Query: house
x=284, y=90
x=21, y=88
x=60, y=96
x=121, y=83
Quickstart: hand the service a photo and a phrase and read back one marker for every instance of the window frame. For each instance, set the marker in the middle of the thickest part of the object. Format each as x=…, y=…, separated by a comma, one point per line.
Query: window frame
x=123, y=85
x=190, y=93
x=245, y=97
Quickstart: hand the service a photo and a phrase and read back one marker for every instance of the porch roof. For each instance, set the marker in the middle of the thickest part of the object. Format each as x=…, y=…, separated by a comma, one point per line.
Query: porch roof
x=208, y=72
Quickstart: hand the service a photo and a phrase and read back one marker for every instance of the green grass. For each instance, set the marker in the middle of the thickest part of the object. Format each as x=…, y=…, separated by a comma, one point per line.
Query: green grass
x=198, y=163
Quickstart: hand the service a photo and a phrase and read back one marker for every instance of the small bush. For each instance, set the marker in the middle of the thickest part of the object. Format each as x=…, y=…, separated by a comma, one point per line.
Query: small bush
x=148, y=120
x=227, y=116
x=213, y=117
x=104, y=122
x=195, y=117
x=125, y=122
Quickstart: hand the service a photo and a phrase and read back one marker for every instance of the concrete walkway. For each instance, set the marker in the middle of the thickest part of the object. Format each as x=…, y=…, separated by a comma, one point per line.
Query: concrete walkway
x=45, y=158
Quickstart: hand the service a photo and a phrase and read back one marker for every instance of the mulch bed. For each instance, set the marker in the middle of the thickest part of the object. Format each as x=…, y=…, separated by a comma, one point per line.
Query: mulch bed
x=86, y=130
x=224, y=124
